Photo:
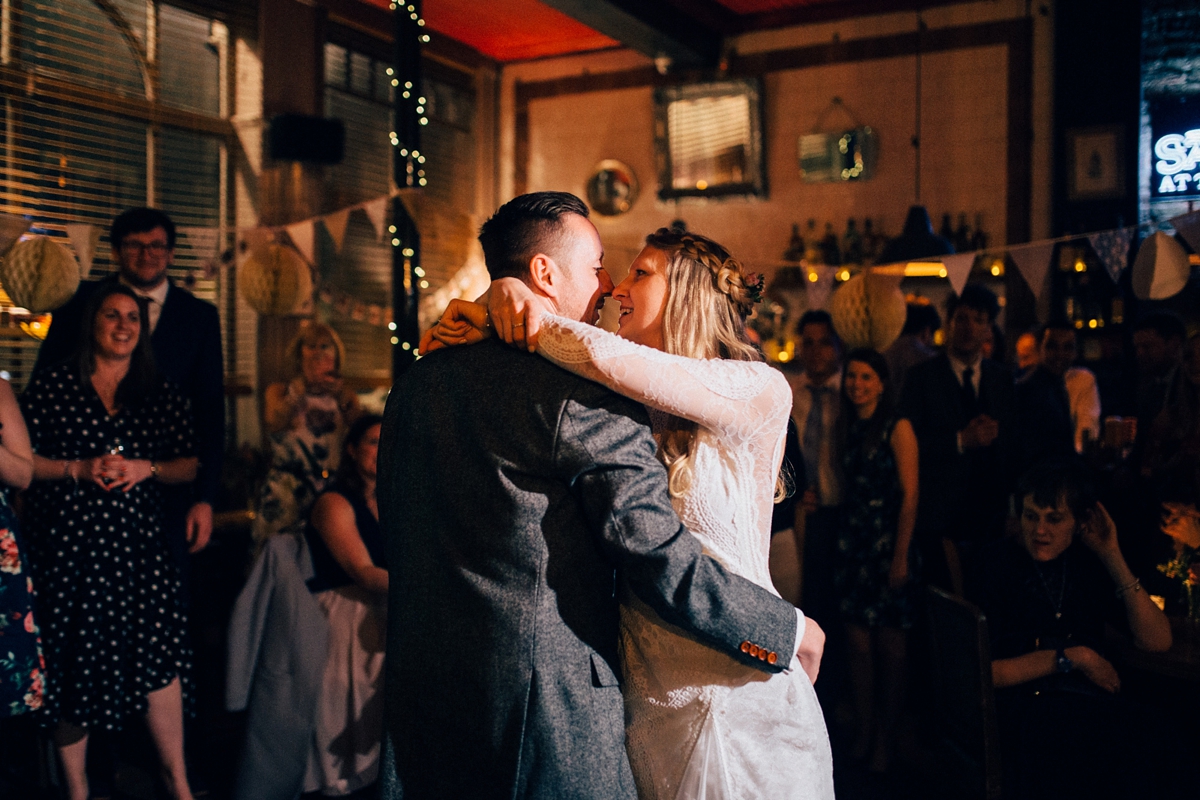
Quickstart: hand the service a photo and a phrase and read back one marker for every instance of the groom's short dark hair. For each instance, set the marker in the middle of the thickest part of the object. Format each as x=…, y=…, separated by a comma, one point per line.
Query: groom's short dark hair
x=523, y=227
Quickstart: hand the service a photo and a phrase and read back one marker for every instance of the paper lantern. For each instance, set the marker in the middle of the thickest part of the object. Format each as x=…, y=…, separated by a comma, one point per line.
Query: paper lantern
x=275, y=280
x=39, y=274
x=1161, y=269
x=868, y=311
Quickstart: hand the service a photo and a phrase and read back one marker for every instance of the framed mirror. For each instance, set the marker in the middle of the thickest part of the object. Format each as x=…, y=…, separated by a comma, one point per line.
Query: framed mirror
x=613, y=188
x=708, y=140
x=847, y=155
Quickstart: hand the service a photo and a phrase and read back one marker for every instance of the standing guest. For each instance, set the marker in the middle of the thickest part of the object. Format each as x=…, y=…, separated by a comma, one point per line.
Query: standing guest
x=20, y=646
x=350, y=582
x=107, y=431
x=1048, y=595
x=874, y=564
x=1043, y=415
x=305, y=419
x=185, y=339
x=1158, y=349
x=815, y=409
x=915, y=344
x=960, y=406
x=1027, y=352
x=1056, y=355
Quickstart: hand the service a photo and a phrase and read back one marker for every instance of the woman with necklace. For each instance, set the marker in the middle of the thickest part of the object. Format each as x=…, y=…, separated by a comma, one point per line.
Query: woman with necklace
x=872, y=565
x=350, y=581
x=1047, y=596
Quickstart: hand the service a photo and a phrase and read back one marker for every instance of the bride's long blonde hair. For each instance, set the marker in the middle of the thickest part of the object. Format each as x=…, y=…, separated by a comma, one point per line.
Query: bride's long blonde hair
x=708, y=300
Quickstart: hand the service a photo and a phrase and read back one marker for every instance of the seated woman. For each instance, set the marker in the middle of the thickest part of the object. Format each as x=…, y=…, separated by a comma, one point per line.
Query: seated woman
x=1047, y=596
x=350, y=582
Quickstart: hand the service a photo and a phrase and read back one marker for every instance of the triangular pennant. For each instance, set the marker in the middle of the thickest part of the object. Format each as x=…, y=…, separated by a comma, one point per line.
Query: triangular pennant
x=958, y=269
x=1113, y=249
x=336, y=223
x=1188, y=226
x=84, y=238
x=1033, y=262
x=377, y=211
x=11, y=228
x=303, y=235
x=414, y=204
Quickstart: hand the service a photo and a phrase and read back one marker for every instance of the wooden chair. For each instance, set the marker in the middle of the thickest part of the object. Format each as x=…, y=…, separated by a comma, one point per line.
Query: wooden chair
x=967, y=743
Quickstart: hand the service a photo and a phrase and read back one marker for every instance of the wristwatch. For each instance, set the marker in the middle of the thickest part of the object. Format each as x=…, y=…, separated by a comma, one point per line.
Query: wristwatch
x=1061, y=662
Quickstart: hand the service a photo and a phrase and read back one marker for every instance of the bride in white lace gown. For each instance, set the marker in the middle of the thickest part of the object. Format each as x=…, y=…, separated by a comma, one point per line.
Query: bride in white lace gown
x=700, y=725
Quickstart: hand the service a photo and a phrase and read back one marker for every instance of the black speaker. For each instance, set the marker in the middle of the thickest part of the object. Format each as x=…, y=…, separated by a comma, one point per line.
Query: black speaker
x=296, y=137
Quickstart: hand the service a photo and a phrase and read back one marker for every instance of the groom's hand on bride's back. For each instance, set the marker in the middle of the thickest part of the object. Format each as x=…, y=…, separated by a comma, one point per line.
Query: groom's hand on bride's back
x=811, y=648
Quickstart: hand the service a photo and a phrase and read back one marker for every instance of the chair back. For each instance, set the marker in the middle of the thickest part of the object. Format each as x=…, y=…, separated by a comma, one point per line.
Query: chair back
x=965, y=705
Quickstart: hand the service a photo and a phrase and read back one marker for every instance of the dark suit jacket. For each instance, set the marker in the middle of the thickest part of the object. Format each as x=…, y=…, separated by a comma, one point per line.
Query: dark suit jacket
x=187, y=352
x=1043, y=417
x=963, y=495
x=511, y=492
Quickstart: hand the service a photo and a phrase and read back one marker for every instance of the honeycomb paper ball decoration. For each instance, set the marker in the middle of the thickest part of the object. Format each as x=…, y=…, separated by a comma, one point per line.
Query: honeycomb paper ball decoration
x=868, y=311
x=39, y=274
x=275, y=280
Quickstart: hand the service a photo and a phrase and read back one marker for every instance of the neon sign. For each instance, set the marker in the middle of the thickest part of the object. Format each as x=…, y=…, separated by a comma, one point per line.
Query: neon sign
x=1178, y=155
x=1175, y=152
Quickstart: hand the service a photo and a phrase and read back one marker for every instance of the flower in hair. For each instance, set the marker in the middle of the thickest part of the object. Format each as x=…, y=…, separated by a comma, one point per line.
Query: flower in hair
x=754, y=287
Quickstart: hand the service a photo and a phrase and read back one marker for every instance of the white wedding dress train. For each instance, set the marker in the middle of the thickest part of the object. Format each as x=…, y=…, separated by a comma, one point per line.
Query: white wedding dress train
x=701, y=725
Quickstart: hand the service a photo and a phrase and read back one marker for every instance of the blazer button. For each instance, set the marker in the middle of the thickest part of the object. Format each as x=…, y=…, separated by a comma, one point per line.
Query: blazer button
x=762, y=655
x=755, y=650
x=772, y=658
x=745, y=647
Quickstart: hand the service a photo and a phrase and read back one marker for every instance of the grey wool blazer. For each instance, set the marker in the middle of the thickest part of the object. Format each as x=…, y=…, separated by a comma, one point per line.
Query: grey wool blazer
x=512, y=494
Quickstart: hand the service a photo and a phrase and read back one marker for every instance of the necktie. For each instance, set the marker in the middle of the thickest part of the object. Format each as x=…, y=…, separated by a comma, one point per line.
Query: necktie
x=970, y=400
x=814, y=434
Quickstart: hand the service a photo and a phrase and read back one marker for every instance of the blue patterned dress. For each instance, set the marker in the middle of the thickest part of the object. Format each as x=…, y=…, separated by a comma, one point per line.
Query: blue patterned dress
x=21, y=664
x=871, y=503
x=108, y=590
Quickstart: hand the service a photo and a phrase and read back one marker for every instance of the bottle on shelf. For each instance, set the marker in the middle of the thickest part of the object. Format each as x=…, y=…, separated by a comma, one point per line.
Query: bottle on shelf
x=852, y=243
x=812, y=249
x=795, y=248
x=947, y=229
x=830, y=252
x=979, y=239
x=962, y=234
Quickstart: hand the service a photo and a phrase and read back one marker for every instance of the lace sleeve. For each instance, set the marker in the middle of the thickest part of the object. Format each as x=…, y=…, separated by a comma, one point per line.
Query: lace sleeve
x=730, y=398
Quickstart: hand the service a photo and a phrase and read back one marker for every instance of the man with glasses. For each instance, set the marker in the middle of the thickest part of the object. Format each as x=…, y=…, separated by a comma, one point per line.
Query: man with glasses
x=185, y=334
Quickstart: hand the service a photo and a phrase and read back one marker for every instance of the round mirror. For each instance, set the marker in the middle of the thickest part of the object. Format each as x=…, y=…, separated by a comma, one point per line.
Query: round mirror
x=612, y=189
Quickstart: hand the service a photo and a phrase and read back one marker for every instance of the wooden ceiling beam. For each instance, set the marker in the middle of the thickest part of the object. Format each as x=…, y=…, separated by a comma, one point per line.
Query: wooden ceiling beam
x=653, y=27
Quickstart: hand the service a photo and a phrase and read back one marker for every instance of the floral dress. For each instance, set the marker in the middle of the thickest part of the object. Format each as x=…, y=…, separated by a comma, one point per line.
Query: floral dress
x=108, y=589
x=21, y=663
x=866, y=542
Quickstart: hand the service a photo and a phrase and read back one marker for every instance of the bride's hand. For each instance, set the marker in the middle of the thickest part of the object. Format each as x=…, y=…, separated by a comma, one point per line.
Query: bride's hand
x=462, y=322
x=515, y=312
x=811, y=648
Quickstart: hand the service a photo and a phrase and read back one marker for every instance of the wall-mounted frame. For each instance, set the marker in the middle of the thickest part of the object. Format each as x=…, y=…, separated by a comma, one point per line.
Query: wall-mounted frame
x=1096, y=163
x=612, y=188
x=708, y=139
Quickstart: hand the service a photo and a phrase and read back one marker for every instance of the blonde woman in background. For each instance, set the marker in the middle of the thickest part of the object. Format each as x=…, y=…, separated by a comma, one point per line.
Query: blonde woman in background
x=305, y=420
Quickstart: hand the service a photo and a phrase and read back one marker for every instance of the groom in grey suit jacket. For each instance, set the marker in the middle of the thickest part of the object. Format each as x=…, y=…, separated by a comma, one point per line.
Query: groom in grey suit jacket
x=512, y=495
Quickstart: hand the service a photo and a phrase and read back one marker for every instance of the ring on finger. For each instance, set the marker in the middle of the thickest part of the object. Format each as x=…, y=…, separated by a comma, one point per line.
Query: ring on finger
x=518, y=324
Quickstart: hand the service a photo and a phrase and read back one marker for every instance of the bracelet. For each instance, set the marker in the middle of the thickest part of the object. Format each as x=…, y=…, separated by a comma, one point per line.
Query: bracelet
x=153, y=469
x=1133, y=586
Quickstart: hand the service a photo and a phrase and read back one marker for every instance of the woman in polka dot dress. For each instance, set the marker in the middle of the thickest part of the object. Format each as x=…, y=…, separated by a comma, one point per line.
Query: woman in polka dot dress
x=105, y=432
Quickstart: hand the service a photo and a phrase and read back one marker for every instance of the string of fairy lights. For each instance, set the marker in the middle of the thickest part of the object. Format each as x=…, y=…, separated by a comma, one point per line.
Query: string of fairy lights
x=411, y=114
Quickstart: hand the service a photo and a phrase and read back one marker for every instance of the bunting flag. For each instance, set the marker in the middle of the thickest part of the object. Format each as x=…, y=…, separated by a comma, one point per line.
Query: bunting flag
x=11, y=228
x=1113, y=249
x=336, y=224
x=303, y=236
x=377, y=211
x=84, y=237
x=1033, y=262
x=958, y=269
x=414, y=204
x=1187, y=226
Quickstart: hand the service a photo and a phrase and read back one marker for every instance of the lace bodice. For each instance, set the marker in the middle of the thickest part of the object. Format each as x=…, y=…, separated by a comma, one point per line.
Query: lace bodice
x=741, y=408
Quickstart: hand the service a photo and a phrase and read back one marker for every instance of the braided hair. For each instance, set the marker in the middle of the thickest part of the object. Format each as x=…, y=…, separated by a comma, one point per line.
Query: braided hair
x=708, y=301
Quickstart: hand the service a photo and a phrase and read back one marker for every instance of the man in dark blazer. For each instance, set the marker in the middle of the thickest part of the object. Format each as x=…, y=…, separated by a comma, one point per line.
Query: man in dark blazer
x=961, y=407
x=186, y=338
x=512, y=494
